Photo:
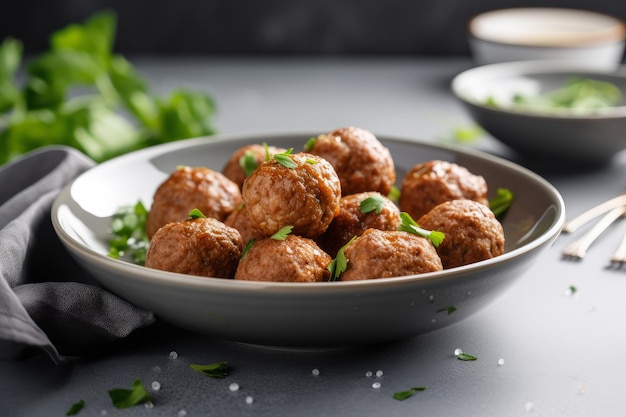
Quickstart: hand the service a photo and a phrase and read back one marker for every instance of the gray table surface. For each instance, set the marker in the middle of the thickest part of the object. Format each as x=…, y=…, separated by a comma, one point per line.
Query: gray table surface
x=541, y=349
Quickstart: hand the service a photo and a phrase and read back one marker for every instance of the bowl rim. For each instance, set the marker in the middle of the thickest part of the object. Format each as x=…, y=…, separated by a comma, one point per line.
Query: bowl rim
x=176, y=279
x=614, y=32
x=537, y=67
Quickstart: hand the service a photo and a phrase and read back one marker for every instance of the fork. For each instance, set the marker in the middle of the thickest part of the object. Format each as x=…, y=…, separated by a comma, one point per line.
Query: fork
x=619, y=256
x=578, y=248
x=573, y=224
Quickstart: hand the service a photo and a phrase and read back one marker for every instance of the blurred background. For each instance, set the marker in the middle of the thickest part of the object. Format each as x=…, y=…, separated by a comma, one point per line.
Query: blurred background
x=273, y=27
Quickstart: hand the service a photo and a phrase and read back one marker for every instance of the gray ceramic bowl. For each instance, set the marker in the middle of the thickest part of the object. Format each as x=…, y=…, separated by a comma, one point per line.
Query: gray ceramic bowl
x=329, y=314
x=589, y=138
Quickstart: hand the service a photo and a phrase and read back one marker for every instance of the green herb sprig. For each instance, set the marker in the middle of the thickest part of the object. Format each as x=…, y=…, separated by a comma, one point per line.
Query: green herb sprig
x=340, y=263
x=284, y=158
x=213, y=370
x=282, y=233
x=501, y=202
x=248, y=163
x=409, y=225
x=403, y=395
x=81, y=94
x=75, y=408
x=128, y=228
x=196, y=214
x=373, y=203
x=124, y=398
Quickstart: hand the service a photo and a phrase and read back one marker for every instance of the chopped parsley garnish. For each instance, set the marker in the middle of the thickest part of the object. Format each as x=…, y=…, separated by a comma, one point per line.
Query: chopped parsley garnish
x=501, y=202
x=196, y=214
x=466, y=357
x=128, y=228
x=124, y=398
x=340, y=263
x=247, y=248
x=282, y=233
x=214, y=370
x=310, y=144
x=311, y=161
x=248, y=163
x=449, y=309
x=373, y=203
x=75, y=408
x=409, y=225
x=403, y=395
x=284, y=158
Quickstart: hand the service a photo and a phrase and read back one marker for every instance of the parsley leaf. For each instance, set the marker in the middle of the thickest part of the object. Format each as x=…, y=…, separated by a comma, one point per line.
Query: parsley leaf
x=247, y=248
x=75, y=408
x=449, y=309
x=466, y=357
x=501, y=202
x=409, y=225
x=340, y=263
x=394, y=194
x=403, y=395
x=248, y=163
x=196, y=214
x=128, y=228
x=282, y=233
x=310, y=144
x=124, y=398
x=284, y=159
x=214, y=370
x=373, y=203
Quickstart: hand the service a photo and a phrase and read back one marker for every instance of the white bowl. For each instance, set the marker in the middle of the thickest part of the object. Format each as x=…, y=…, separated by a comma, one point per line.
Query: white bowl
x=518, y=34
x=328, y=314
x=591, y=138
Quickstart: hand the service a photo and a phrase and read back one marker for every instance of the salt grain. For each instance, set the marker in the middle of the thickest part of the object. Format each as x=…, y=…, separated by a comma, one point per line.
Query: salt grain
x=149, y=405
x=457, y=352
x=173, y=355
x=249, y=400
x=182, y=413
x=315, y=372
x=376, y=385
x=379, y=373
x=234, y=387
x=500, y=362
x=369, y=374
x=156, y=385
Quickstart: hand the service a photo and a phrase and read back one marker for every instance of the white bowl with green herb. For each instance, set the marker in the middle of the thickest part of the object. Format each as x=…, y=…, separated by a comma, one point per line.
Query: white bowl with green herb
x=321, y=314
x=573, y=112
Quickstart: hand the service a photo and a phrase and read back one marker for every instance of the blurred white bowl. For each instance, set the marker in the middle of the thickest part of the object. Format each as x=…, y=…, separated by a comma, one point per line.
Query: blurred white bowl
x=519, y=34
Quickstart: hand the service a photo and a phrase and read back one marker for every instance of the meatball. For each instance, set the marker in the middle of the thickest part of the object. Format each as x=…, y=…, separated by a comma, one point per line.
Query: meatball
x=294, y=259
x=360, y=159
x=188, y=188
x=472, y=232
x=240, y=220
x=384, y=254
x=353, y=220
x=305, y=196
x=202, y=246
x=234, y=170
x=433, y=182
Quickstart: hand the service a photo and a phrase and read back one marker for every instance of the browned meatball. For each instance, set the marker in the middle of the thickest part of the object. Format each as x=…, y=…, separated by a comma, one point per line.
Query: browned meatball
x=188, y=188
x=433, y=182
x=203, y=246
x=384, y=254
x=353, y=220
x=240, y=220
x=360, y=159
x=472, y=232
x=234, y=171
x=305, y=196
x=294, y=259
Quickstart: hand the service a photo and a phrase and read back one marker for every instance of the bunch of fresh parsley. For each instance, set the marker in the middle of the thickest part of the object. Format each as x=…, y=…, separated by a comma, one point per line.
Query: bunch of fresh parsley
x=79, y=93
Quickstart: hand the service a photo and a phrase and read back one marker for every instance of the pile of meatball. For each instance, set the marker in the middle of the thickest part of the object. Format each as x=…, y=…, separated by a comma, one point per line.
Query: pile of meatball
x=273, y=214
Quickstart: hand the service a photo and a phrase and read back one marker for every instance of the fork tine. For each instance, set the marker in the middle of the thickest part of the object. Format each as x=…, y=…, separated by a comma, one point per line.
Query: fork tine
x=573, y=224
x=578, y=248
x=619, y=256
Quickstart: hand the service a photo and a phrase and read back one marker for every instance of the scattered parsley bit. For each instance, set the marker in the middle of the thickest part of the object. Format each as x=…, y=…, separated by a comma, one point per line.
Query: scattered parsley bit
x=501, y=202
x=124, y=398
x=310, y=144
x=247, y=162
x=340, y=263
x=282, y=233
x=572, y=289
x=403, y=395
x=373, y=203
x=467, y=134
x=196, y=214
x=409, y=225
x=466, y=357
x=311, y=161
x=267, y=151
x=284, y=158
x=394, y=194
x=449, y=309
x=247, y=248
x=75, y=408
x=214, y=370
x=128, y=228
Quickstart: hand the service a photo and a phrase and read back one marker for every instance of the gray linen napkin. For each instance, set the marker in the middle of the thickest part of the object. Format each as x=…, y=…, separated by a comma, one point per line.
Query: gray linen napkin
x=47, y=301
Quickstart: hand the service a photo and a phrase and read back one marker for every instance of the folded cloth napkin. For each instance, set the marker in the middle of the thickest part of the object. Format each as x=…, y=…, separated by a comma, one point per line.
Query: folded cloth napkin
x=46, y=300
